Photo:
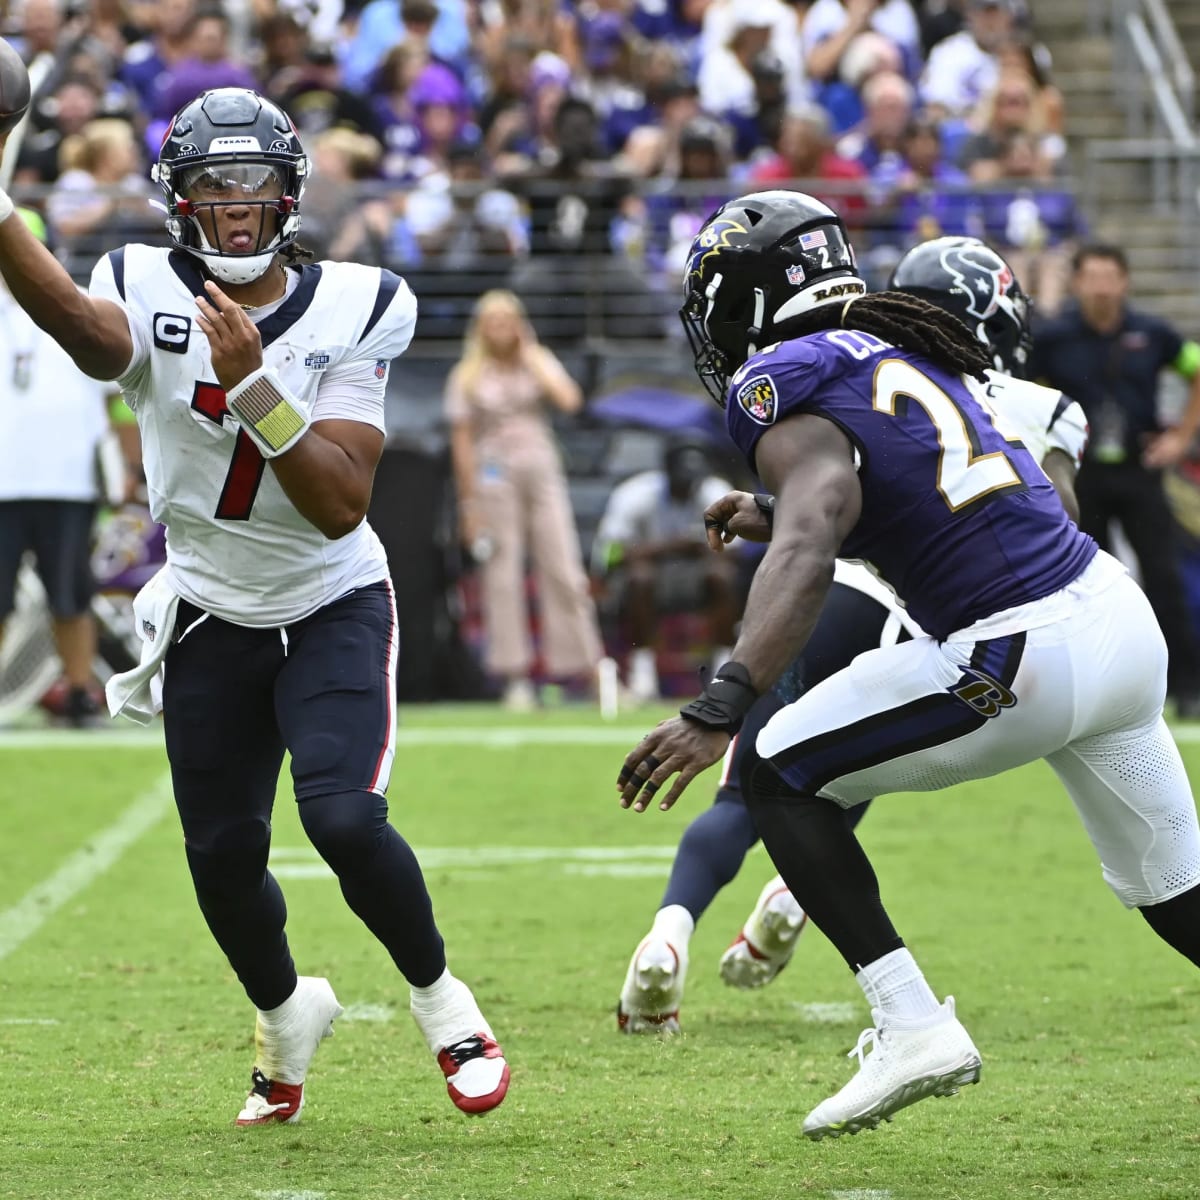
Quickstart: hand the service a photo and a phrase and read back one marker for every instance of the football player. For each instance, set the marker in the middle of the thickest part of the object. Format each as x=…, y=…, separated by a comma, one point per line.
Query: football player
x=258, y=383
x=853, y=411
x=967, y=278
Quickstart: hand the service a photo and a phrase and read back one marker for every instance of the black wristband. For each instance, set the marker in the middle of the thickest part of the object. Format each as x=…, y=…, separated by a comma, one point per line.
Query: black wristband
x=726, y=699
x=766, y=506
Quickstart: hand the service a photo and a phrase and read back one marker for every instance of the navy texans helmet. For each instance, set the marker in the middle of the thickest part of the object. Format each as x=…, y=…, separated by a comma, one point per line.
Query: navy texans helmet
x=228, y=148
x=968, y=279
x=758, y=262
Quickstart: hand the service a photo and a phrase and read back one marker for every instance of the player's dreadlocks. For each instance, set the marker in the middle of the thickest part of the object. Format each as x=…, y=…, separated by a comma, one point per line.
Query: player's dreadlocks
x=906, y=321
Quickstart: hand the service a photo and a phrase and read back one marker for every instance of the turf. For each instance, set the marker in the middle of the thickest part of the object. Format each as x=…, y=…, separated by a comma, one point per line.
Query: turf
x=125, y=1042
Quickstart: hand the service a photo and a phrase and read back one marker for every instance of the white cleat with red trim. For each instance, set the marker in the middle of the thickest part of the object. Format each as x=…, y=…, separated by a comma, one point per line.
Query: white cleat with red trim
x=653, y=988
x=282, y=1056
x=767, y=941
x=462, y=1041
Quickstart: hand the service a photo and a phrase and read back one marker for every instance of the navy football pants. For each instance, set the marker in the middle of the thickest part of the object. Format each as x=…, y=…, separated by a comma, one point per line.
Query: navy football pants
x=234, y=700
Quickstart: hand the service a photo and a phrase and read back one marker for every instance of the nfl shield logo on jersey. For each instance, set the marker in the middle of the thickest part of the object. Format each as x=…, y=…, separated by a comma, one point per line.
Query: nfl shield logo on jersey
x=757, y=396
x=381, y=366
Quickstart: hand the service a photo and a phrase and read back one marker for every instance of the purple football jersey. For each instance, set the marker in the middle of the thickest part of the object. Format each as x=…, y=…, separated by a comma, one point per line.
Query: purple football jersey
x=961, y=522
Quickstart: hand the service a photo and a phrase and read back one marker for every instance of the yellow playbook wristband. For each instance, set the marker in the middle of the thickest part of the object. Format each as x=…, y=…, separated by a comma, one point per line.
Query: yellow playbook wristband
x=273, y=418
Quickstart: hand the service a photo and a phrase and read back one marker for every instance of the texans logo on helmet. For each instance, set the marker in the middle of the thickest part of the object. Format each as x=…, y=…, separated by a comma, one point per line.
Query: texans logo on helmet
x=759, y=400
x=981, y=274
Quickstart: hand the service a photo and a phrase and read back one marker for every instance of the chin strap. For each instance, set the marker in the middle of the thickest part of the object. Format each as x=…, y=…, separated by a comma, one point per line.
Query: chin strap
x=272, y=417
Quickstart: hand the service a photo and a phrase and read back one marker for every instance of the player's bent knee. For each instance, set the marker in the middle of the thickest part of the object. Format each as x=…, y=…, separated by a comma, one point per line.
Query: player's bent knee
x=345, y=828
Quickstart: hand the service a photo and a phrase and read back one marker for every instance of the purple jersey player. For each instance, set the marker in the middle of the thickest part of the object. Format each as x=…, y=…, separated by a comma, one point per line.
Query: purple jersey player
x=863, y=416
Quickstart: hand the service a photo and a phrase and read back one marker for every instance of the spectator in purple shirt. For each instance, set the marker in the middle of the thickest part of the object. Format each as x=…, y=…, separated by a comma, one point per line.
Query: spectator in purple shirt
x=207, y=65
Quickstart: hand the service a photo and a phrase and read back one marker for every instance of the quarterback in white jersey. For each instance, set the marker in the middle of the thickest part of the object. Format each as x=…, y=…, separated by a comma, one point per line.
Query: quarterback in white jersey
x=258, y=382
x=238, y=547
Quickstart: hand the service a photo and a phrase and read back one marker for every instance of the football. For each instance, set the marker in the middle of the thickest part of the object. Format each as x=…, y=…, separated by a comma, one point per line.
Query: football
x=14, y=88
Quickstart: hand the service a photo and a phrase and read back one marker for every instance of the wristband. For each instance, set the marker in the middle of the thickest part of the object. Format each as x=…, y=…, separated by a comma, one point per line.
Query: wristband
x=766, y=506
x=272, y=417
x=725, y=701
x=6, y=205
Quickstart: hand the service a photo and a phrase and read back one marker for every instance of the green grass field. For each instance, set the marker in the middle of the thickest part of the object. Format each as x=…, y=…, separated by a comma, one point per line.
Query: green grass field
x=125, y=1042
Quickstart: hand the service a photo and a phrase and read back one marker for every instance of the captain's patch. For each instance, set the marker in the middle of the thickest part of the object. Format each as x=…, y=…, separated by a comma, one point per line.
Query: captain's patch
x=758, y=398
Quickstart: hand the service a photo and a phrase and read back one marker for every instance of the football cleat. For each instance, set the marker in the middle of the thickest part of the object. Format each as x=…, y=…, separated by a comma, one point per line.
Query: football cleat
x=653, y=988
x=282, y=1057
x=476, y=1073
x=905, y=1064
x=767, y=940
x=471, y=1059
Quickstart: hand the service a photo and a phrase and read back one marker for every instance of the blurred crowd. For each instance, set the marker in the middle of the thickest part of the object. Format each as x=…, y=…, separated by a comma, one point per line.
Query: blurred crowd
x=503, y=140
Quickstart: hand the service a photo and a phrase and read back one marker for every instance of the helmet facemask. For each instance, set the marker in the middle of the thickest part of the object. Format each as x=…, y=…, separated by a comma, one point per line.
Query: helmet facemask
x=199, y=196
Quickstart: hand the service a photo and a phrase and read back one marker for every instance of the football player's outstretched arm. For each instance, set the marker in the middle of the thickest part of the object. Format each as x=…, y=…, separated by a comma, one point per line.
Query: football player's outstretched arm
x=94, y=332
x=807, y=462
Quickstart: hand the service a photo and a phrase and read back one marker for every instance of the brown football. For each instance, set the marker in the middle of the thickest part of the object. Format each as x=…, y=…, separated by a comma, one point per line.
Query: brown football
x=14, y=87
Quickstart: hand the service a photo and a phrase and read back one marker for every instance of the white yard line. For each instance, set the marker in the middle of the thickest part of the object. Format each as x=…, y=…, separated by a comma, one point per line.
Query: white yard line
x=496, y=737
x=19, y=923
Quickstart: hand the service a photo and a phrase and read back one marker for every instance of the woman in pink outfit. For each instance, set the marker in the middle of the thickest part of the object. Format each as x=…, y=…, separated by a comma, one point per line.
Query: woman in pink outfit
x=513, y=496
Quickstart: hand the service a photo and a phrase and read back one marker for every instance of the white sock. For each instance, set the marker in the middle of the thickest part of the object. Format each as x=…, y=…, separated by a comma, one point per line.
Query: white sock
x=675, y=924
x=446, y=1012
x=279, y=1018
x=895, y=986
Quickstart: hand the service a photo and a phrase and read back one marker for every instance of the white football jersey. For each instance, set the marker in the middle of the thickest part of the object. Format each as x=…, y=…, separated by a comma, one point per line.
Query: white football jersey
x=236, y=545
x=1041, y=418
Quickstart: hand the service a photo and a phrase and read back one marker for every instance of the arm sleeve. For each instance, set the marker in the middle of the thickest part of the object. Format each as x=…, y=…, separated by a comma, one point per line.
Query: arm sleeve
x=108, y=283
x=353, y=391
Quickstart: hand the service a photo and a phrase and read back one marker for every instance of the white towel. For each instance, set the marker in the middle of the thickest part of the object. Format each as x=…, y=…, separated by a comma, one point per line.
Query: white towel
x=137, y=693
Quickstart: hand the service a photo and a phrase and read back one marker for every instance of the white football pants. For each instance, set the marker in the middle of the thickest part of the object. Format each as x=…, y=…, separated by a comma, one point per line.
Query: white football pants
x=1077, y=678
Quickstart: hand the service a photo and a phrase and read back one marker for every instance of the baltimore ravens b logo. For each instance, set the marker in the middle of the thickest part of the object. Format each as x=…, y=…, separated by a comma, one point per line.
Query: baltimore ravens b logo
x=987, y=696
x=757, y=397
x=711, y=239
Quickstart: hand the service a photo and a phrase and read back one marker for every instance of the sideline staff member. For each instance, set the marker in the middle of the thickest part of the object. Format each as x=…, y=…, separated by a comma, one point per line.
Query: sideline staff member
x=1108, y=356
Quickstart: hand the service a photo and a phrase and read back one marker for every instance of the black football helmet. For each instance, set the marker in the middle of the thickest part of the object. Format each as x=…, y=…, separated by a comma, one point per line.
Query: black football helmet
x=232, y=147
x=968, y=279
x=757, y=263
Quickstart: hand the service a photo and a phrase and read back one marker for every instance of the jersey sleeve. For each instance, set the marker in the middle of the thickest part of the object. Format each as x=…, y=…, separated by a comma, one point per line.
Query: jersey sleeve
x=769, y=388
x=108, y=283
x=1068, y=429
x=354, y=390
x=390, y=323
